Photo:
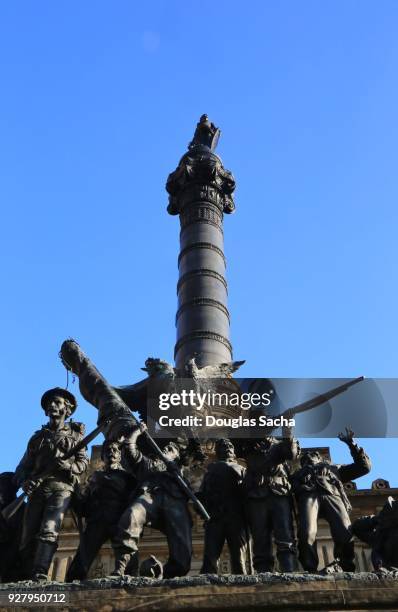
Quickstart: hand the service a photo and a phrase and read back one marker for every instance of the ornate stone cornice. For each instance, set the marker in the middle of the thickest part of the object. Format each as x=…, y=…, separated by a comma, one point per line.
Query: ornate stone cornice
x=200, y=175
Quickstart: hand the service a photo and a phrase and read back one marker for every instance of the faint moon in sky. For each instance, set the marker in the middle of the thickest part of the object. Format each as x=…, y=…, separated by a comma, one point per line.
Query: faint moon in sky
x=150, y=41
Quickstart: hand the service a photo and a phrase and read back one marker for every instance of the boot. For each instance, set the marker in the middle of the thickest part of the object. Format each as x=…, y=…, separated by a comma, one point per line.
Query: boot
x=121, y=561
x=43, y=557
x=287, y=561
x=345, y=553
x=152, y=568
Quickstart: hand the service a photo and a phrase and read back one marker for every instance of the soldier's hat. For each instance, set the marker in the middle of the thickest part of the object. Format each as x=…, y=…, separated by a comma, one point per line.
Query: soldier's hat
x=60, y=392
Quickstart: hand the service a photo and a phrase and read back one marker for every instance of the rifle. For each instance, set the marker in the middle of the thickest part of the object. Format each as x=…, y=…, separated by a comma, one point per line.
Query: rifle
x=249, y=550
x=181, y=482
x=320, y=399
x=96, y=390
x=12, y=508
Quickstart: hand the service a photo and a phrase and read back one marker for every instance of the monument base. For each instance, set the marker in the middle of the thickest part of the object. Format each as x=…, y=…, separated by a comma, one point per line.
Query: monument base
x=211, y=593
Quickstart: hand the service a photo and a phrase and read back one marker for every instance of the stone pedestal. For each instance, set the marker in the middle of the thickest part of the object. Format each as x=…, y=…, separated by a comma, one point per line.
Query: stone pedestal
x=355, y=592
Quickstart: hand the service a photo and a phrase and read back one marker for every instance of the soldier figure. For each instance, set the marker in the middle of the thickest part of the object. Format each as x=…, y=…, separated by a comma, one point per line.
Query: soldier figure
x=102, y=502
x=319, y=490
x=269, y=502
x=221, y=493
x=10, y=531
x=158, y=500
x=380, y=531
x=49, y=496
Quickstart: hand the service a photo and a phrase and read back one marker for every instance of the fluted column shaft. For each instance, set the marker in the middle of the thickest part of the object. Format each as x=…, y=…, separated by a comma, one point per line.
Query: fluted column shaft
x=200, y=192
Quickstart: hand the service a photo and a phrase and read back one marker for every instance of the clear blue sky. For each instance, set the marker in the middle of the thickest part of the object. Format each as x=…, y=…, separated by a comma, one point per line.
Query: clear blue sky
x=99, y=100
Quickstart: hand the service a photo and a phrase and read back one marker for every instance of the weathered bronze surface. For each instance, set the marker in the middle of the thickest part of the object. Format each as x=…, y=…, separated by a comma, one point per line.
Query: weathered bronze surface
x=158, y=500
x=48, y=478
x=10, y=531
x=380, y=531
x=102, y=503
x=269, y=502
x=222, y=493
x=318, y=488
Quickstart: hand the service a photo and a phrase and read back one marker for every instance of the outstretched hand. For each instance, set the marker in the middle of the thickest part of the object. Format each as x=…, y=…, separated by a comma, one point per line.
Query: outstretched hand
x=348, y=437
x=63, y=465
x=28, y=486
x=137, y=431
x=143, y=426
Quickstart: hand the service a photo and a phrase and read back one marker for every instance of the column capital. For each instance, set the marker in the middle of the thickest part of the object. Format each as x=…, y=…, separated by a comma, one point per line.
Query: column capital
x=200, y=176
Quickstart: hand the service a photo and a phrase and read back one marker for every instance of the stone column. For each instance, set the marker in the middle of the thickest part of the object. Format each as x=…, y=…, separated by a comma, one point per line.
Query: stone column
x=200, y=193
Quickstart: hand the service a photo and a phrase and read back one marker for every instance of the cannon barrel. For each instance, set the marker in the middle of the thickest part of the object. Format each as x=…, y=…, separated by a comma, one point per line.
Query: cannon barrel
x=97, y=391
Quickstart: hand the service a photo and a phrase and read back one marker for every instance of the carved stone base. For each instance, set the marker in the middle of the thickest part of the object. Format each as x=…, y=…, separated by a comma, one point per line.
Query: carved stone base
x=210, y=593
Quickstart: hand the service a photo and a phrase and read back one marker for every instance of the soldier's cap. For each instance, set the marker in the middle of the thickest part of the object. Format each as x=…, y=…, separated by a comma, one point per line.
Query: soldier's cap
x=59, y=392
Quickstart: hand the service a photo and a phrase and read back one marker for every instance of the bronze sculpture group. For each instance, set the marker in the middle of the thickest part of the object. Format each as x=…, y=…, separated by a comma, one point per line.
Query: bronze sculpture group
x=252, y=496
x=249, y=507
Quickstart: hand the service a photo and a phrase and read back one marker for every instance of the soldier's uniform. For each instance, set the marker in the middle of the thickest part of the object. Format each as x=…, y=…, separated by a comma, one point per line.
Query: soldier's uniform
x=10, y=531
x=49, y=502
x=380, y=531
x=157, y=500
x=222, y=495
x=319, y=491
x=102, y=503
x=269, y=503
